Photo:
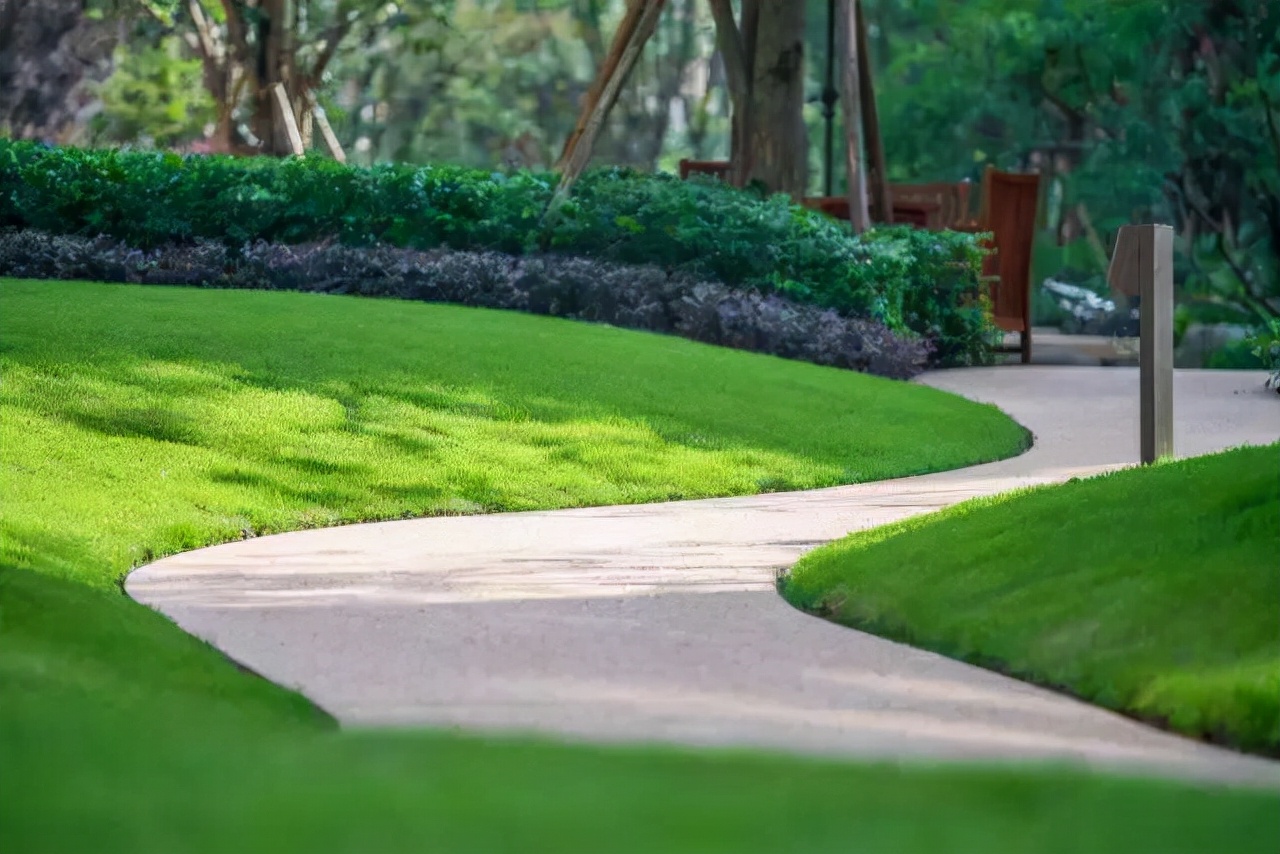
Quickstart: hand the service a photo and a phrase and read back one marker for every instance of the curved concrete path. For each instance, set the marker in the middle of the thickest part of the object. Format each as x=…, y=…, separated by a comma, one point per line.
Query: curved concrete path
x=661, y=622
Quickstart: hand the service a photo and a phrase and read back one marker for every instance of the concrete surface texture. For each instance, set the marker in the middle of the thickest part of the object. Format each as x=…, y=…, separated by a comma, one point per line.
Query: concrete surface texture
x=661, y=622
x=1050, y=346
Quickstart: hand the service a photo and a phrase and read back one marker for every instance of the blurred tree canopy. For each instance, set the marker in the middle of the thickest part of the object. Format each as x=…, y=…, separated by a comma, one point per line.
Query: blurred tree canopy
x=1134, y=110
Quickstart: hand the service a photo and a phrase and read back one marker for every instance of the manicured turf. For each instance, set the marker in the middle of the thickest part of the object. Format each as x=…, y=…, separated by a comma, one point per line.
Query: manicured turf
x=121, y=735
x=141, y=421
x=1152, y=591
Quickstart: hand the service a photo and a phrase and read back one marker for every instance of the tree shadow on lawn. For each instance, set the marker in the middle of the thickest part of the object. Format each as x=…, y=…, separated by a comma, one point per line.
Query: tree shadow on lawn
x=157, y=424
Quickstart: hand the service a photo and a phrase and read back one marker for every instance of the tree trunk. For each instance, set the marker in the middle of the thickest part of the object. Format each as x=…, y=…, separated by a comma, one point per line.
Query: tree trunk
x=776, y=135
x=764, y=67
x=269, y=69
x=764, y=61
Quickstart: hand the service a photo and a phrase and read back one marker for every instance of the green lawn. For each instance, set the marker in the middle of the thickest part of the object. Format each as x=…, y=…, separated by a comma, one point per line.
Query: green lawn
x=138, y=421
x=141, y=421
x=1152, y=591
x=118, y=733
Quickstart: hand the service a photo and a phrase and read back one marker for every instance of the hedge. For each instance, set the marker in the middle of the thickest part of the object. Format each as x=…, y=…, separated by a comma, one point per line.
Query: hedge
x=633, y=297
x=925, y=282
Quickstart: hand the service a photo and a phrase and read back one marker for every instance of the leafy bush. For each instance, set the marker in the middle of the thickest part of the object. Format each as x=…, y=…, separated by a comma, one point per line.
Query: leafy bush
x=635, y=297
x=1266, y=346
x=907, y=280
x=939, y=299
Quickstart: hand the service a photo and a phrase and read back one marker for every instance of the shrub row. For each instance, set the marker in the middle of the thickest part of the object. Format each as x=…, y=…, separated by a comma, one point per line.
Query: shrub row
x=647, y=297
x=907, y=279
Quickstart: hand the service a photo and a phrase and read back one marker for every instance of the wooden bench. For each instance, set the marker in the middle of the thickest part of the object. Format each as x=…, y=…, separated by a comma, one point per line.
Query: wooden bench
x=933, y=206
x=714, y=168
x=920, y=214
x=1010, y=202
x=948, y=202
x=921, y=205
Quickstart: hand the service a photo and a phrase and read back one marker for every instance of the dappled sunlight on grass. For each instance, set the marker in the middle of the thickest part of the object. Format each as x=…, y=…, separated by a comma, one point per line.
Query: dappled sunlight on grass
x=173, y=441
x=171, y=419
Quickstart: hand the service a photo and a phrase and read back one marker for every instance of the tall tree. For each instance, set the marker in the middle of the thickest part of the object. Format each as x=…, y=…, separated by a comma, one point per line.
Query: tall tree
x=777, y=139
x=764, y=54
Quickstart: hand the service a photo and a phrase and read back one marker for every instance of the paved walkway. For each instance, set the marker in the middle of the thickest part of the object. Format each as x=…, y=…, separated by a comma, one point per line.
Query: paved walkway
x=660, y=622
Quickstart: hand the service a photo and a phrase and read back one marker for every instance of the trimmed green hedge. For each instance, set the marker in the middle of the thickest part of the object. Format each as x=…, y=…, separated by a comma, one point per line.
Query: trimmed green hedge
x=925, y=282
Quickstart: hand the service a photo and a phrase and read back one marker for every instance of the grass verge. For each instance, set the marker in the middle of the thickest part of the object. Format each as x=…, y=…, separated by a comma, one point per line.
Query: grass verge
x=1150, y=591
x=138, y=421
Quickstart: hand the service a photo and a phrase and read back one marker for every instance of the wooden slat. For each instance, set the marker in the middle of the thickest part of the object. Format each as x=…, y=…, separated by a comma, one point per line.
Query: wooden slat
x=1009, y=204
x=715, y=168
x=951, y=198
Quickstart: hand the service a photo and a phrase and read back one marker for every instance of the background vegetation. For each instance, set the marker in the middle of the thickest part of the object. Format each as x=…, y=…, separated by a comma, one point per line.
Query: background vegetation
x=1134, y=110
x=920, y=283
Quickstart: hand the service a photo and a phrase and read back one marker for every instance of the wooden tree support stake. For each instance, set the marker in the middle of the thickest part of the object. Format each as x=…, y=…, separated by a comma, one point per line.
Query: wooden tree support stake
x=880, y=204
x=1142, y=266
x=851, y=106
x=326, y=130
x=638, y=25
x=737, y=52
x=286, y=116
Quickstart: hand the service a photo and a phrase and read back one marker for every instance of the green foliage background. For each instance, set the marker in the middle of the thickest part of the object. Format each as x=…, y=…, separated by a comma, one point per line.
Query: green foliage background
x=1133, y=110
x=917, y=281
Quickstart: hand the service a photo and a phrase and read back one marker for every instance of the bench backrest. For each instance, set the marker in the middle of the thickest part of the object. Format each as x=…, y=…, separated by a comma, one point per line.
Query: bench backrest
x=715, y=168
x=921, y=214
x=1009, y=205
x=948, y=202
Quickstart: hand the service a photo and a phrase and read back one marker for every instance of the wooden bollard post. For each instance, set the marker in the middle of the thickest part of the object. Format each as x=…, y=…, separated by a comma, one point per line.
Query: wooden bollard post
x=1142, y=266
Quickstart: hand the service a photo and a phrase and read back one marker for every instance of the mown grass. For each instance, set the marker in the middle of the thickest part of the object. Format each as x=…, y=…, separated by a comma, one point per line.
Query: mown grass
x=144, y=421
x=140, y=421
x=1154, y=591
x=118, y=733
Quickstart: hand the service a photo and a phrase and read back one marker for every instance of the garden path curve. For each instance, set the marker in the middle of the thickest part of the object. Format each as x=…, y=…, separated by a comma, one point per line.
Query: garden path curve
x=661, y=623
